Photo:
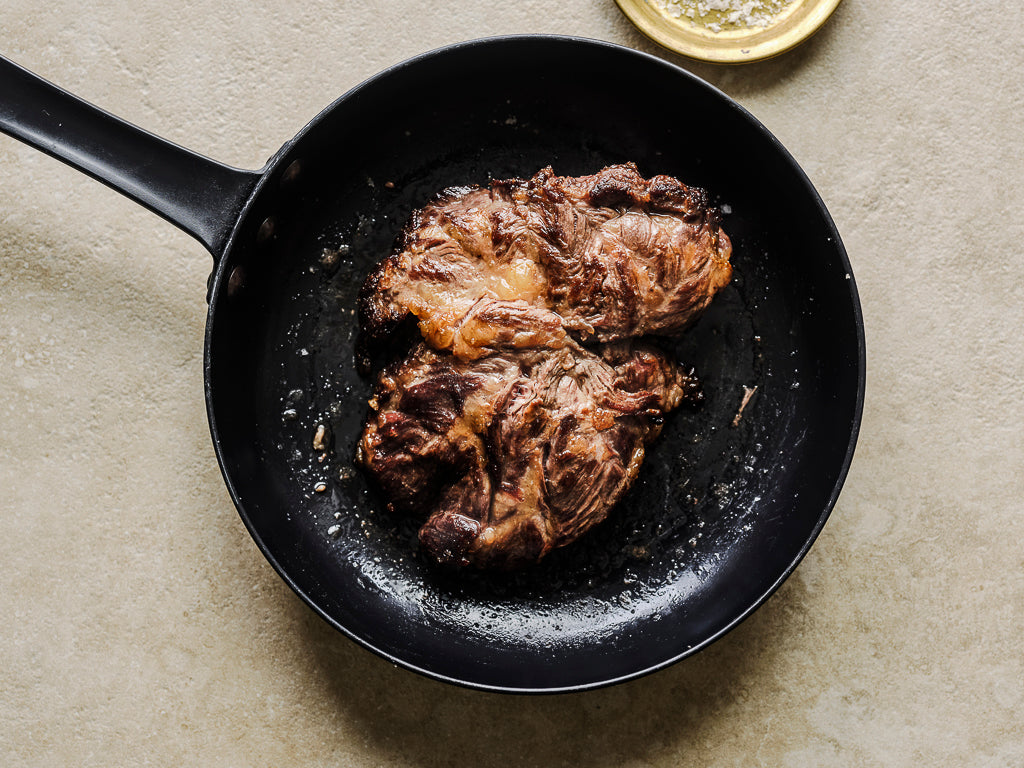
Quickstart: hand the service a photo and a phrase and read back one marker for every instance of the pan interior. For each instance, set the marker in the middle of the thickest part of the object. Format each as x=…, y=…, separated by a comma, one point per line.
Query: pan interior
x=727, y=501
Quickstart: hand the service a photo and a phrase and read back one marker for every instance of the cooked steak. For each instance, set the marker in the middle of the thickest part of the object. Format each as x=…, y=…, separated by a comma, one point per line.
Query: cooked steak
x=514, y=454
x=500, y=427
x=521, y=263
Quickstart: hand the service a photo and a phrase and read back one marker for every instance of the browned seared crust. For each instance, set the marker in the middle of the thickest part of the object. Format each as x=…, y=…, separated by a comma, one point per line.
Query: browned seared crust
x=612, y=256
x=512, y=455
x=507, y=434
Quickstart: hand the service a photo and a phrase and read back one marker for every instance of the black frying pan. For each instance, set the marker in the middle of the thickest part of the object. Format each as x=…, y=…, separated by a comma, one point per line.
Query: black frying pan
x=730, y=498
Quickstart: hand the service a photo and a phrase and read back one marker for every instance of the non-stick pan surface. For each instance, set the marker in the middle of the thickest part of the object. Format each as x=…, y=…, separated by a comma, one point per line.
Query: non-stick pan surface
x=730, y=497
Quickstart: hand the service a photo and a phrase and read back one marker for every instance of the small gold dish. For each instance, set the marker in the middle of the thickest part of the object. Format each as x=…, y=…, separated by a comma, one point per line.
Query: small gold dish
x=713, y=36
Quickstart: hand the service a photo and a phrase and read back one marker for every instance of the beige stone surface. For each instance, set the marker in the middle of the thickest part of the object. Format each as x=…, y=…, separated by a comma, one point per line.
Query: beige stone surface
x=139, y=625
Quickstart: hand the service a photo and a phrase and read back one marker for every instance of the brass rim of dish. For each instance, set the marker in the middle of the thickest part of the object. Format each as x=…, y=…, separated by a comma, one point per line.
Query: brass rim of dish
x=733, y=44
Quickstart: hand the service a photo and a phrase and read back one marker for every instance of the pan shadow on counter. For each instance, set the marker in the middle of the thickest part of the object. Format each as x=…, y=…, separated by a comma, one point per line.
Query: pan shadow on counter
x=415, y=721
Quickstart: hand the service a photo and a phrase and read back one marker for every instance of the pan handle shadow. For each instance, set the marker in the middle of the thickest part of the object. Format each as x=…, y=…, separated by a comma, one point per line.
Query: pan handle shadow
x=199, y=195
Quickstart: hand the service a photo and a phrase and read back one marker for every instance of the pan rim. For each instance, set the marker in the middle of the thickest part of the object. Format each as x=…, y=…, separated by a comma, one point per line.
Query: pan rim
x=270, y=171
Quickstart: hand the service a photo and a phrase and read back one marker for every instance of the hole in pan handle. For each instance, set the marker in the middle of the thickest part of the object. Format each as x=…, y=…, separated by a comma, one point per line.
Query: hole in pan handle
x=199, y=195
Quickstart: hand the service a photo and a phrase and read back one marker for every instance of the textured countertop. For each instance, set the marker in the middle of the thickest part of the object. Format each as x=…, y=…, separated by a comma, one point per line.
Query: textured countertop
x=139, y=624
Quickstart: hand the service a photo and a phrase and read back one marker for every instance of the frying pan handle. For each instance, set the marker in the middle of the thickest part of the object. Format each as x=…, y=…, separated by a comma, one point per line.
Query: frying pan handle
x=199, y=195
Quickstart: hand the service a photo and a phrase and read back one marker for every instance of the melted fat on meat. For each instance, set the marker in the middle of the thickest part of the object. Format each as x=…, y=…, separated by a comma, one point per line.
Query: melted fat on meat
x=608, y=256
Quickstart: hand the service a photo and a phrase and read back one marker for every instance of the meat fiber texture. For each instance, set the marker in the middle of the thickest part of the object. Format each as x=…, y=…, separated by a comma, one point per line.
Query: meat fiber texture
x=523, y=415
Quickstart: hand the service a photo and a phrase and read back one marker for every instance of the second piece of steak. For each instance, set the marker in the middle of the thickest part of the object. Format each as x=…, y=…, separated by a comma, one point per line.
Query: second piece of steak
x=514, y=454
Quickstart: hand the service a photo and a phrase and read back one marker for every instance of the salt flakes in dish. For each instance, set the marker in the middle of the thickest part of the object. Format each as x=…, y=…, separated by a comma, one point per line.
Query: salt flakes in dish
x=717, y=15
